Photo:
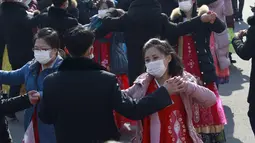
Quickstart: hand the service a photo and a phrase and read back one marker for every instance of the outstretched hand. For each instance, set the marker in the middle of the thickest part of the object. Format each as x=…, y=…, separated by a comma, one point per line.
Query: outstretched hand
x=175, y=85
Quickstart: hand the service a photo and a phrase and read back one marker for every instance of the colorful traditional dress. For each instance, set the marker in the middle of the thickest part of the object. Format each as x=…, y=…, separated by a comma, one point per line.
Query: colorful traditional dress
x=168, y=125
x=208, y=121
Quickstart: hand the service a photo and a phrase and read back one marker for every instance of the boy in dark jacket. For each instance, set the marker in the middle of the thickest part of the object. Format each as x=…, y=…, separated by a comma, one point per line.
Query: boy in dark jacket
x=11, y=105
x=245, y=50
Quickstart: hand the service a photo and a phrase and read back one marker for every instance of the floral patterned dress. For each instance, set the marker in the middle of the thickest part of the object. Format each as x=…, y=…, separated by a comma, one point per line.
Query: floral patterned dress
x=169, y=124
x=209, y=122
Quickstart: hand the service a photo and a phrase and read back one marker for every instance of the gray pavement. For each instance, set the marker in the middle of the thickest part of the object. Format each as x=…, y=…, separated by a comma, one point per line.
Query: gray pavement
x=234, y=96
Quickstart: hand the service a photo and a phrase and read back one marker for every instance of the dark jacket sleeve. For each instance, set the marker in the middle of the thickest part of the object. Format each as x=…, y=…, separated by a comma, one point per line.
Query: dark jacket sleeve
x=14, y=104
x=137, y=110
x=218, y=26
x=47, y=110
x=2, y=45
x=172, y=31
x=111, y=24
x=245, y=50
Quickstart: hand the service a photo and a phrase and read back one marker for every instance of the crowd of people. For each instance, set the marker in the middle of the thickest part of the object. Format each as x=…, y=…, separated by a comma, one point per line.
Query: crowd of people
x=96, y=70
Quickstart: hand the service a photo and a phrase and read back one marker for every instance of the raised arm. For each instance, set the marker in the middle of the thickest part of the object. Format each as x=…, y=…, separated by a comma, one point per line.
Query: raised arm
x=16, y=77
x=111, y=24
x=218, y=26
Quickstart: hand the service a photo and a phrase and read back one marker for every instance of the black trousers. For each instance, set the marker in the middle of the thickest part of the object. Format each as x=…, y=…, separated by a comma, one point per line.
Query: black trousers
x=251, y=114
x=238, y=9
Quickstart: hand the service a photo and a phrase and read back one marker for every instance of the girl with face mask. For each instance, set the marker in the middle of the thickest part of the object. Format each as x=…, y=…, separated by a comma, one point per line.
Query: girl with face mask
x=32, y=74
x=174, y=123
x=194, y=50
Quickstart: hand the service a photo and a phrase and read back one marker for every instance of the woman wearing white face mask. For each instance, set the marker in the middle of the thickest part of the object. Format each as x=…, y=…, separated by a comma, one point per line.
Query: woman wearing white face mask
x=32, y=74
x=194, y=49
x=174, y=123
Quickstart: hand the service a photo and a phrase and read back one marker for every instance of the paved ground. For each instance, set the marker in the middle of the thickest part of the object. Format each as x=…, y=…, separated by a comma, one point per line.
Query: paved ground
x=234, y=97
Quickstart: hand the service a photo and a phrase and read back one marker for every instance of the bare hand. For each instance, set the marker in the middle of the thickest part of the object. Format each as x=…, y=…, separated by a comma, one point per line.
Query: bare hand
x=174, y=85
x=34, y=97
x=241, y=34
x=182, y=84
x=209, y=17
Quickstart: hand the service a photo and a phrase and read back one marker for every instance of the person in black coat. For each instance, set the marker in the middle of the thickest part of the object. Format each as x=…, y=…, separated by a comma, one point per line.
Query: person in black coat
x=11, y=105
x=142, y=22
x=86, y=95
x=17, y=35
x=167, y=5
x=246, y=51
x=57, y=17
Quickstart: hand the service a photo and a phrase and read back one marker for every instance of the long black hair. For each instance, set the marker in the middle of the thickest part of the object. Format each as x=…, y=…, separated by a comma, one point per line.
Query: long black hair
x=175, y=66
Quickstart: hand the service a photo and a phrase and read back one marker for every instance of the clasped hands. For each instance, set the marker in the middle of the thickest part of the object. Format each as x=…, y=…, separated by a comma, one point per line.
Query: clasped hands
x=34, y=97
x=209, y=17
x=176, y=85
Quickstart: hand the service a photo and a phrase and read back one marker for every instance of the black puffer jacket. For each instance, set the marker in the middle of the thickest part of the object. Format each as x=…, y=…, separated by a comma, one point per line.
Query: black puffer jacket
x=8, y=106
x=246, y=51
x=16, y=33
x=201, y=38
x=143, y=21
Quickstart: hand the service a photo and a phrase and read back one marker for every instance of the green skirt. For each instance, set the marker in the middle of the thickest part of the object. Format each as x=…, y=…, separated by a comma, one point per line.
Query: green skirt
x=231, y=35
x=214, y=137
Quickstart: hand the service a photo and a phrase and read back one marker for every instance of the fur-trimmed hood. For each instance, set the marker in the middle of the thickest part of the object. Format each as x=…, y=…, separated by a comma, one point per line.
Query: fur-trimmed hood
x=177, y=13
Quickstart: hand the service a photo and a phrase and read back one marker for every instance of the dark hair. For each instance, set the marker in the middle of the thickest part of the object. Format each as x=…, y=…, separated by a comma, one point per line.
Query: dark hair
x=50, y=36
x=109, y=3
x=78, y=40
x=58, y=3
x=175, y=67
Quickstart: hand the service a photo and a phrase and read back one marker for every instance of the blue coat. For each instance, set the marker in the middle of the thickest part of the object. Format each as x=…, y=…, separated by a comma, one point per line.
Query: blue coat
x=28, y=75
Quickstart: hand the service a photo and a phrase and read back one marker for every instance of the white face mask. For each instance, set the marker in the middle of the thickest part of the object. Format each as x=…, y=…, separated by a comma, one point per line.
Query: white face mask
x=185, y=6
x=156, y=68
x=102, y=13
x=42, y=56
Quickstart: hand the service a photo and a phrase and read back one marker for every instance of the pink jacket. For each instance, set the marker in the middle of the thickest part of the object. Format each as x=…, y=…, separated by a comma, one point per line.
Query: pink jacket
x=222, y=8
x=194, y=93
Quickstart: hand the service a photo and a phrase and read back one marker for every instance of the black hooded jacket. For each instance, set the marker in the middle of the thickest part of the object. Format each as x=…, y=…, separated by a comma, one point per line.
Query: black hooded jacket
x=16, y=33
x=245, y=50
x=142, y=22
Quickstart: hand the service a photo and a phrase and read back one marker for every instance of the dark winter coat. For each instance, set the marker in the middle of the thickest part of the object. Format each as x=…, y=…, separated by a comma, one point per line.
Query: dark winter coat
x=16, y=33
x=246, y=51
x=85, y=109
x=8, y=106
x=201, y=39
x=144, y=21
x=167, y=5
x=56, y=18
